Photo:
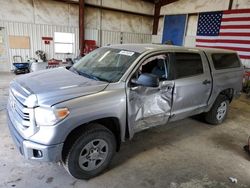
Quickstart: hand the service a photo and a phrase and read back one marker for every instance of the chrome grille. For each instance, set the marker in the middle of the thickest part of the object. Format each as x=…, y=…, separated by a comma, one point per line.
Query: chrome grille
x=20, y=112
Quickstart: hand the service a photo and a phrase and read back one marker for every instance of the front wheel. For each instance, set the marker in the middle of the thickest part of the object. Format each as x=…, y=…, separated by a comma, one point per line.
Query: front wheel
x=219, y=110
x=91, y=153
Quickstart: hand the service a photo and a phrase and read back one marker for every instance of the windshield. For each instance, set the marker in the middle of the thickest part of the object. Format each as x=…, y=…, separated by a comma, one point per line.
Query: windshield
x=105, y=64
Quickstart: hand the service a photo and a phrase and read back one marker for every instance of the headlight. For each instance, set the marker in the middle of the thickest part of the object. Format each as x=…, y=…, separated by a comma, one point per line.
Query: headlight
x=31, y=101
x=50, y=116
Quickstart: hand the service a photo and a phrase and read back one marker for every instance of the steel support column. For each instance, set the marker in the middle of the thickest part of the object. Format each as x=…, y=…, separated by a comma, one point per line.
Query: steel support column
x=156, y=18
x=158, y=6
x=81, y=27
x=230, y=5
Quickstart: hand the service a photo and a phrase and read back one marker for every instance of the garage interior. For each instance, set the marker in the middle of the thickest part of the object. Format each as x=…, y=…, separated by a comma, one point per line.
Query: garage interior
x=185, y=154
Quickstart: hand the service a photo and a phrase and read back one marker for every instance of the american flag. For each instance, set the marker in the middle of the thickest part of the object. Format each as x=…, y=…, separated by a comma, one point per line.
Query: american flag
x=225, y=29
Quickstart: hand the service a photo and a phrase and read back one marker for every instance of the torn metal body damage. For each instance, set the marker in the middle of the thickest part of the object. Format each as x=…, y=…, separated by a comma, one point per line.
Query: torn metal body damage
x=148, y=107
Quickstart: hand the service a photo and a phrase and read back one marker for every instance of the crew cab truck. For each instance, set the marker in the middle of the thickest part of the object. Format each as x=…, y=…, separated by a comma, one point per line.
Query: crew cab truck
x=81, y=115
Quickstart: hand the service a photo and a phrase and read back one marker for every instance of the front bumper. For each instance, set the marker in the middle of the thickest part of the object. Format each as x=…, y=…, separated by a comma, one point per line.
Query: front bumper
x=32, y=150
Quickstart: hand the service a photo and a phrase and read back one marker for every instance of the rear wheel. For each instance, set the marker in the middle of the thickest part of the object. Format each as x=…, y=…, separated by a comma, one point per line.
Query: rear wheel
x=219, y=110
x=91, y=153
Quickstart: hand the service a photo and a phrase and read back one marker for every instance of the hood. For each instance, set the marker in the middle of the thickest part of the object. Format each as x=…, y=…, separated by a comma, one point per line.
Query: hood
x=57, y=85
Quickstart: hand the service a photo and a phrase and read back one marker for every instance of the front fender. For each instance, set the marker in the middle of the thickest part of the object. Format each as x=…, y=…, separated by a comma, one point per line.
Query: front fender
x=105, y=104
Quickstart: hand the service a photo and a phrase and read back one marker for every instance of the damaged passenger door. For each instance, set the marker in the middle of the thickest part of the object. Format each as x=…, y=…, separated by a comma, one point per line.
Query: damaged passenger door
x=150, y=104
x=193, y=84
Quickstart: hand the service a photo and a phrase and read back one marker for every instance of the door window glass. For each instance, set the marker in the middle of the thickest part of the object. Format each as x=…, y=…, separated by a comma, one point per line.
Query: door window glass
x=155, y=65
x=187, y=64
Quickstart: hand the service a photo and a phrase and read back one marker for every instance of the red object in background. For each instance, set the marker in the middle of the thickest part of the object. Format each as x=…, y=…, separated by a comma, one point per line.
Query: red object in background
x=54, y=62
x=47, y=38
x=247, y=73
x=246, y=76
x=90, y=45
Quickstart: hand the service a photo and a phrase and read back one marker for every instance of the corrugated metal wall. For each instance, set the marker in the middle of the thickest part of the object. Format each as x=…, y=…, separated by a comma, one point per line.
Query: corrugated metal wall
x=136, y=38
x=116, y=37
x=37, y=31
x=191, y=29
x=110, y=37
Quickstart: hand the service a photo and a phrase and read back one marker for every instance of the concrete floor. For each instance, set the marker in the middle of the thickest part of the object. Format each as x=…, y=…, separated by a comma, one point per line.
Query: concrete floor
x=184, y=154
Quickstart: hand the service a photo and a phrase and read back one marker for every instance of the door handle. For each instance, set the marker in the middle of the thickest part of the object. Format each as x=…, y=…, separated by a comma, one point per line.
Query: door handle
x=205, y=82
x=134, y=88
x=166, y=88
x=169, y=88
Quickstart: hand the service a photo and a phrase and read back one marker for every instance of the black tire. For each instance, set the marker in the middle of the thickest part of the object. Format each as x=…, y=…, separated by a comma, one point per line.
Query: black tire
x=213, y=116
x=94, y=133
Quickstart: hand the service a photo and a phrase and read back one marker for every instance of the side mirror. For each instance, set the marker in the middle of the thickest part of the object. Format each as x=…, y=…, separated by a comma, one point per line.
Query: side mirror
x=68, y=67
x=147, y=80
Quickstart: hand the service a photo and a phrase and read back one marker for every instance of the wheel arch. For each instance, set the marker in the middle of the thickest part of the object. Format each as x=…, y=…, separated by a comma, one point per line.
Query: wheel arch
x=229, y=93
x=111, y=123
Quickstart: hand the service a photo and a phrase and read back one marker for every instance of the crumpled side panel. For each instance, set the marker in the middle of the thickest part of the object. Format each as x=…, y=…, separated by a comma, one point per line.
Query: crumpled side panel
x=149, y=107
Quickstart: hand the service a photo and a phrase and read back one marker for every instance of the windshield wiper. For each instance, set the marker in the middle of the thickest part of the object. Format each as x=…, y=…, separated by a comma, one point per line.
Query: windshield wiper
x=92, y=76
x=98, y=78
x=84, y=74
x=73, y=69
x=101, y=79
x=88, y=75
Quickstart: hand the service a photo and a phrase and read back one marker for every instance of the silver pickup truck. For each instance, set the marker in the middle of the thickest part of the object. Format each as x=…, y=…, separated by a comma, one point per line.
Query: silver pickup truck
x=81, y=115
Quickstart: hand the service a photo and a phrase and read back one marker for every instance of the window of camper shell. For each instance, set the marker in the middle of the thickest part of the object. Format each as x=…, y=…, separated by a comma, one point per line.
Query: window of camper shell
x=225, y=60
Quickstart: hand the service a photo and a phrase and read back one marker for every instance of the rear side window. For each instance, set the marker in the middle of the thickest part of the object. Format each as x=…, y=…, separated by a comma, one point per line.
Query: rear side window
x=187, y=64
x=225, y=61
